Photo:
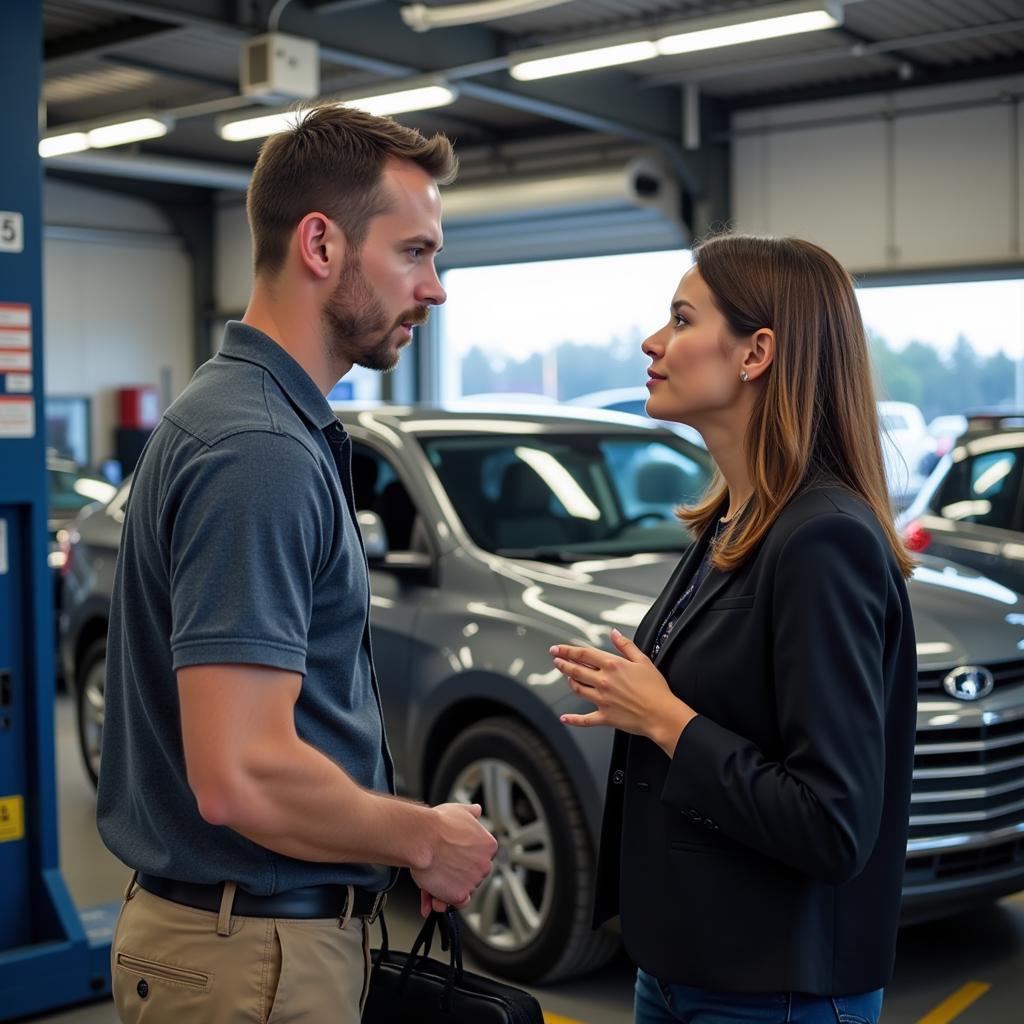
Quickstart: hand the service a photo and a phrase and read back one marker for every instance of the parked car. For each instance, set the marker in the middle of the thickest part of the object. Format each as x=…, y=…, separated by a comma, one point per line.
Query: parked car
x=971, y=509
x=942, y=432
x=632, y=400
x=71, y=488
x=905, y=442
x=491, y=536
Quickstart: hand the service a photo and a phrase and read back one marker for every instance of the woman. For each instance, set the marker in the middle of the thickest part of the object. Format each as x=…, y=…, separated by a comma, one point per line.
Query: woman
x=758, y=800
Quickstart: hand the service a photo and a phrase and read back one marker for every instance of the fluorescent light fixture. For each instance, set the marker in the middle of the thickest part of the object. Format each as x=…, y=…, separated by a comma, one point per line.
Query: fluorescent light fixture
x=124, y=132
x=403, y=101
x=583, y=60
x=397, y=101
x=258, y=127
x=747, y=32
x=730, y=28
x=59, y=145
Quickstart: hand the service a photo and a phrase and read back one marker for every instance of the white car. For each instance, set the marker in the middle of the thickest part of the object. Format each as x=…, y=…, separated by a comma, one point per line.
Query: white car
x=905, y=442
x=634, y=401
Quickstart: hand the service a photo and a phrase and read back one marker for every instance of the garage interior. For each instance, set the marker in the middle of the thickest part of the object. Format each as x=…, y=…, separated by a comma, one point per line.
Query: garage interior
x=894, y=139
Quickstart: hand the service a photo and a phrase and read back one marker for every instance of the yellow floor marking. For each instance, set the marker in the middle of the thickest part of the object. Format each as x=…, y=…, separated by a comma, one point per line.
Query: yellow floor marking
x=554, y=1018
x=956, y=1003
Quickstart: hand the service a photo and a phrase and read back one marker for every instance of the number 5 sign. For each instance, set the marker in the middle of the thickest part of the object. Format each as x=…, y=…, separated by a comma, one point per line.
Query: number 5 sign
x=11, y=232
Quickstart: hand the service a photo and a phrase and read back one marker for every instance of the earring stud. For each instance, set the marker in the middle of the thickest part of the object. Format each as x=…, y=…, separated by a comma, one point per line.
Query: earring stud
x=744, y=376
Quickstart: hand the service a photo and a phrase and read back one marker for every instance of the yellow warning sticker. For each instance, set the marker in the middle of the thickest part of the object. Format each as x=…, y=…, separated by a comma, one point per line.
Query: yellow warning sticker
x=12, y=818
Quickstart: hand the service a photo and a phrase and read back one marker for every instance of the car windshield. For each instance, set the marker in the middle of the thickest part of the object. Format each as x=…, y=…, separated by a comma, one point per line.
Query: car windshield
x=571, y=496
x=72, y=489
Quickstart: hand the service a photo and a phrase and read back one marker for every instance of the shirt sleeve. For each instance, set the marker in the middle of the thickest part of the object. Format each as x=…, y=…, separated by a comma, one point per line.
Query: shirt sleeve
x=246, y=523
x=819, y=809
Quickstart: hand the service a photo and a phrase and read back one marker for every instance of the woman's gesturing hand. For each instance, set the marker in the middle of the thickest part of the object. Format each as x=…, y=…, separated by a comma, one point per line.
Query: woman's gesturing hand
x=629, y=692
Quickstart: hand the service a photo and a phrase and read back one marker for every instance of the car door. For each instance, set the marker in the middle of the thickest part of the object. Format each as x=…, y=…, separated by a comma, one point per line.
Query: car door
x=981, y=501
x=400, y=585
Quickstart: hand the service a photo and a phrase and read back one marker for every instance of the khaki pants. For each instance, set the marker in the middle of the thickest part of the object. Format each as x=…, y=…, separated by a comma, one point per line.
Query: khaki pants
x=171, y=963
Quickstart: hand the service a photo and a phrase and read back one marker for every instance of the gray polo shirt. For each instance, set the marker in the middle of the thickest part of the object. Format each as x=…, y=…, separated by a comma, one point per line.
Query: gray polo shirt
x=239, y=546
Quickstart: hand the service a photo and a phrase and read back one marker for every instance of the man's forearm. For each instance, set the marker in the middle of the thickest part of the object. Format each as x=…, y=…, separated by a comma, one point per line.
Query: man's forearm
x=299, y=803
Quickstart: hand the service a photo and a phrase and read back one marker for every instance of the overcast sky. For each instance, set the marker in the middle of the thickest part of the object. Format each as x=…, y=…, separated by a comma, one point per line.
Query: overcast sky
x=529, y=307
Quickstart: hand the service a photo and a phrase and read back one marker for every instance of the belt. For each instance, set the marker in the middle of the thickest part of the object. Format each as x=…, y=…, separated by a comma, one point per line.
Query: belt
x=309, y=902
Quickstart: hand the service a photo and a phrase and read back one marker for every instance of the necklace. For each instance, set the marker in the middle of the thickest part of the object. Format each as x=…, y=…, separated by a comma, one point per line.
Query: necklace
x=688, y=594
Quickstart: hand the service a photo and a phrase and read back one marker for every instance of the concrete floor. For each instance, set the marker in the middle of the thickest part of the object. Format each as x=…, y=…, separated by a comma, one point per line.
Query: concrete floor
x=936, y=966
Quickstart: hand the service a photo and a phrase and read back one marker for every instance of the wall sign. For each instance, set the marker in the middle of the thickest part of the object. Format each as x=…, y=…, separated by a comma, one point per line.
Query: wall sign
x=12, y=231
x=17, y=417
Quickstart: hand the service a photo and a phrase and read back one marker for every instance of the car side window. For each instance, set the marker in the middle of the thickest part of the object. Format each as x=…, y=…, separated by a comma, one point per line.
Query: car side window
x=983, y=489
x=376, y=487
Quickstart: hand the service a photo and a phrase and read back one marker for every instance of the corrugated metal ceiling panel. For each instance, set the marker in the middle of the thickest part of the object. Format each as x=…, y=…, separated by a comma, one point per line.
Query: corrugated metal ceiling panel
x=63, y=18
x=96, y=81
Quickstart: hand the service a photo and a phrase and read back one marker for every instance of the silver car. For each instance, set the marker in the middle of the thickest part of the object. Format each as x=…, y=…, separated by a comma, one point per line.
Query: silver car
x=492, y=535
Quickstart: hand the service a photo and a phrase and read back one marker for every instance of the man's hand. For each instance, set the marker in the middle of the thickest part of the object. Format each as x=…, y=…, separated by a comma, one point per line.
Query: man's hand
x=461, y=858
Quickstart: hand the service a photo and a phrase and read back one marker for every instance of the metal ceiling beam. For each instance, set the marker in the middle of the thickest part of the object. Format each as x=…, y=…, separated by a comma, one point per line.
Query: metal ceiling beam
x=71, y=49
x=126, y=61
x=888, y=83
x=882, y=48
x=186, y=13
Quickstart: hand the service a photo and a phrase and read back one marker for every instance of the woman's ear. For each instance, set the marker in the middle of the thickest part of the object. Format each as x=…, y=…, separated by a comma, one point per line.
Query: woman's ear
x=321, y=245
x=760, y=353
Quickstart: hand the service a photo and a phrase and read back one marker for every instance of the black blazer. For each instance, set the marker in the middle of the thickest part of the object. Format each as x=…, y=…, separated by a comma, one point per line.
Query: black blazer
x=767, y=854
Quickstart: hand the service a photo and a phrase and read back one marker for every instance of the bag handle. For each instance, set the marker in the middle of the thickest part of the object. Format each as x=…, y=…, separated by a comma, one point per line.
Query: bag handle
x=447, y=924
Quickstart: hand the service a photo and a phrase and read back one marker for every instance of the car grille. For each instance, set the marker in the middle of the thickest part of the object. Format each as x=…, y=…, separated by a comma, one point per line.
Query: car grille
x=1008, y=674
x=968, y=780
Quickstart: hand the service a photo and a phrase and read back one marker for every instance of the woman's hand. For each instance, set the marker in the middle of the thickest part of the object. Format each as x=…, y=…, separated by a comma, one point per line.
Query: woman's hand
x=630, y=693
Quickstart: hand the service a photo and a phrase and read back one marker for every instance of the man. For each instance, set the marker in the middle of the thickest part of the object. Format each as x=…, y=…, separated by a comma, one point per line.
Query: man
x=246, y=776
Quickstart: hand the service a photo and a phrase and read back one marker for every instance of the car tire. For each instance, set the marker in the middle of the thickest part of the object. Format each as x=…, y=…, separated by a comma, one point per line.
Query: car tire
x=89, y=702
x=530, y=920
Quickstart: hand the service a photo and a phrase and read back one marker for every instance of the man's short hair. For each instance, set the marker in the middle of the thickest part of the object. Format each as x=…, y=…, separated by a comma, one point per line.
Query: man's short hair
x=332, y=161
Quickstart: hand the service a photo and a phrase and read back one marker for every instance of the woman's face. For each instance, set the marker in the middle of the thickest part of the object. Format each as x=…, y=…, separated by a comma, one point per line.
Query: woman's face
x=695, y=360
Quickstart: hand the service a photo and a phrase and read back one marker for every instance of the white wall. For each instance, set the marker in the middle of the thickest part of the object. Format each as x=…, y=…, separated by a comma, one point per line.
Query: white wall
x=924, y=178
x=117, y=301
x=233, y=271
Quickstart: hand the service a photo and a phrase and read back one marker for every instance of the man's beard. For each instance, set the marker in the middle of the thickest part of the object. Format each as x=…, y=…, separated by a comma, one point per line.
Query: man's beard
x=357, y=328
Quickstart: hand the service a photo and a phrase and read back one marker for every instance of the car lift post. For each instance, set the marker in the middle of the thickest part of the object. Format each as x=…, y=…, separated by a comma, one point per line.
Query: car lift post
x=50, y=955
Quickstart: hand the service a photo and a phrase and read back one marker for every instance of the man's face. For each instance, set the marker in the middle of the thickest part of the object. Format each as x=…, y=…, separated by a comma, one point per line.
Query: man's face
x=389, y=285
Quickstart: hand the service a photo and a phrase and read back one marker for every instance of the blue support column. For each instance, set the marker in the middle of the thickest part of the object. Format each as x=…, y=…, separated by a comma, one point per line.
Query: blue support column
x=48, y=957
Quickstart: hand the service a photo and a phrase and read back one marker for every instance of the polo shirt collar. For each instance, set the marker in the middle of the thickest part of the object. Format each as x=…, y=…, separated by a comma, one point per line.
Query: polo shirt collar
x=247, y=343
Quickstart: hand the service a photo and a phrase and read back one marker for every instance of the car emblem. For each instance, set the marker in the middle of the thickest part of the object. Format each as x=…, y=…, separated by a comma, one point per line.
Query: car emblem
x=969, y=683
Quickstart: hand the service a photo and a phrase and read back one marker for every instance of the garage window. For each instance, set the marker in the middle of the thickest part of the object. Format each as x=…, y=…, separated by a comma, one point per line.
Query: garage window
x=557, y=329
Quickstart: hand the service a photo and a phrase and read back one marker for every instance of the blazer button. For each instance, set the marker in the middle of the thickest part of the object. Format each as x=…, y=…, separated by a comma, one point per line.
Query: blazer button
x=643, y=785
x=709, y=823
x=618, y=776
x=695, y=815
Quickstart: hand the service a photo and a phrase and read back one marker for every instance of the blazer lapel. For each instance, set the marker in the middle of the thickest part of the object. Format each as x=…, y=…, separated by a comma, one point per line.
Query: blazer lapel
x=712, y=586
x=647, y=631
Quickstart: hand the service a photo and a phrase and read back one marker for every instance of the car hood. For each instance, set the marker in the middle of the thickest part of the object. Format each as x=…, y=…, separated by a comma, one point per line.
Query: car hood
x=959, y=615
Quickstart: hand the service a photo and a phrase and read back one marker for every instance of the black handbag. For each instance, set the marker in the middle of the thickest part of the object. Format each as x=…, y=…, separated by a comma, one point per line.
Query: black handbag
x=411, y=987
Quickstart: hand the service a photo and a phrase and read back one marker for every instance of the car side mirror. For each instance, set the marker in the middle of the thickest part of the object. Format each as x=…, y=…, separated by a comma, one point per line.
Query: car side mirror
x=375, y=540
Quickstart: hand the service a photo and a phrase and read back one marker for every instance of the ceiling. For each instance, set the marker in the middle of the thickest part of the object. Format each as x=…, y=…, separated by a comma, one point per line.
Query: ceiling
x=107, y=58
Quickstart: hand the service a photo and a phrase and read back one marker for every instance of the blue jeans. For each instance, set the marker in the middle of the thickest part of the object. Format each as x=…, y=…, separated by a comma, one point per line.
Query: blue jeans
x=657, y=1003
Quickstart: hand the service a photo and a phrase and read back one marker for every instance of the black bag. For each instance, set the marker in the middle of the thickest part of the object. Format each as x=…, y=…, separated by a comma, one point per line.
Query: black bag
x=410, y=988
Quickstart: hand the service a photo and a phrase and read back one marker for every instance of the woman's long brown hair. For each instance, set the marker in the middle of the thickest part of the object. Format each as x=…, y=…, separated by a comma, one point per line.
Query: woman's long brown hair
x=816, y=417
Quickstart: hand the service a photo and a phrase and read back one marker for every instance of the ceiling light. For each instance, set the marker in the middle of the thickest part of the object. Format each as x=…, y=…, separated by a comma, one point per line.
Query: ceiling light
x=58, y=145
x=747, y=32
x=405, y=100
x=124, y=132
x=258, y=127
x=728, y=29
x=583, y=60
x=397, y=101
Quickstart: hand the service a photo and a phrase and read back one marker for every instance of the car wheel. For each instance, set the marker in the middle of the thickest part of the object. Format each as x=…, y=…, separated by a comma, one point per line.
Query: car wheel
x=90, y=700
x=530, y=919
